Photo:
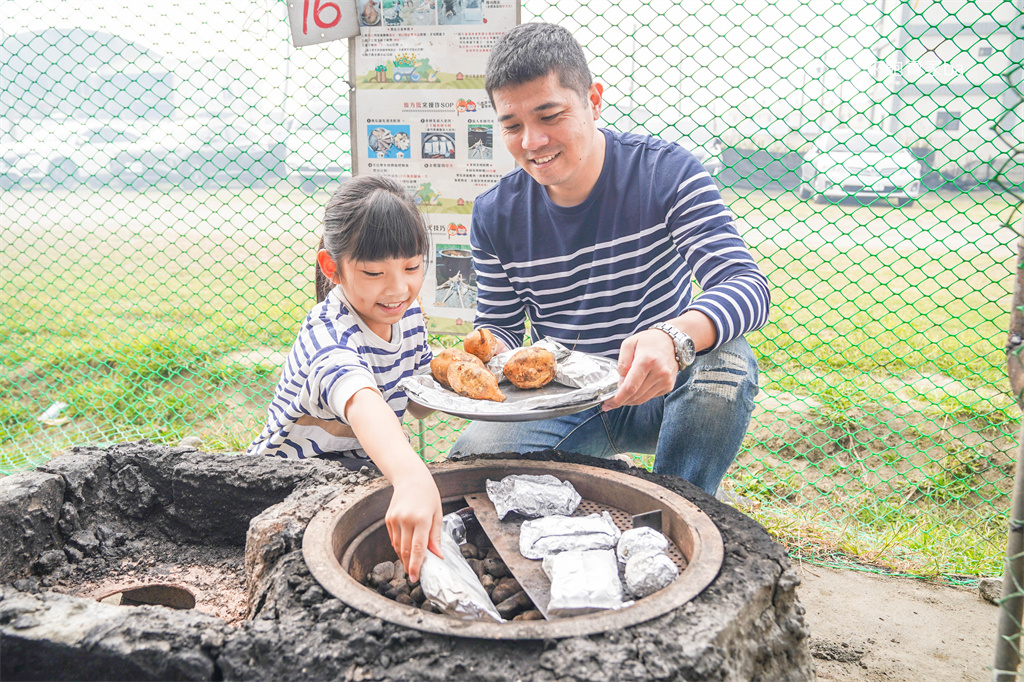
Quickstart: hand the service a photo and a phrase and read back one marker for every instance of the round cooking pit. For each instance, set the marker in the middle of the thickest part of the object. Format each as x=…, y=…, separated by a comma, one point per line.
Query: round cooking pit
x=273, y=554
x=344, y=542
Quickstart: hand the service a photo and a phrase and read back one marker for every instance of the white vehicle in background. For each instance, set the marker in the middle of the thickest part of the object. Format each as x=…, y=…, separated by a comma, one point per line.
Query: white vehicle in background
x=864, y=165
x=66, y=154
x=93, y=147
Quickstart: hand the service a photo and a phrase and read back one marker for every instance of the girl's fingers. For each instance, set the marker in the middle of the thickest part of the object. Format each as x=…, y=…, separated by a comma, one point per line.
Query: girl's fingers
x=417, y=551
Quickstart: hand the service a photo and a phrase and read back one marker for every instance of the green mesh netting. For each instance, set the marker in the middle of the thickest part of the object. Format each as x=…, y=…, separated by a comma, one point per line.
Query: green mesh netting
x=164, y=171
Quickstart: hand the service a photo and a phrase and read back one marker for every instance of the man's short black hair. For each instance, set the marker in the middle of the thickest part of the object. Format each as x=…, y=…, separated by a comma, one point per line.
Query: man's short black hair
x=532, y=51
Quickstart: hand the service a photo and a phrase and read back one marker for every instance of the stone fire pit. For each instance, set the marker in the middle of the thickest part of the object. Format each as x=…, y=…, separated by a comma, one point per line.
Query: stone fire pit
x=230, y=529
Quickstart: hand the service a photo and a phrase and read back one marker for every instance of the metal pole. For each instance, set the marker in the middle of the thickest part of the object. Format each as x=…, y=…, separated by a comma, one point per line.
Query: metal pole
x=1008, y=641
x=1007, y=657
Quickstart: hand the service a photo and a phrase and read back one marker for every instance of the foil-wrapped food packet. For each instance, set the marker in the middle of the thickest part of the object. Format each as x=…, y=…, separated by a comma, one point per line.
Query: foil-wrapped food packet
x=539, y=538
x=637, y=541
x=583, y=582
x=452, y=586
x=454, y=524
x=645, y=574
x=532, y=495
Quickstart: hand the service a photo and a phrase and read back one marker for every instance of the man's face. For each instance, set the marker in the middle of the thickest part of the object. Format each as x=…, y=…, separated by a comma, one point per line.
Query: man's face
x=552, y=133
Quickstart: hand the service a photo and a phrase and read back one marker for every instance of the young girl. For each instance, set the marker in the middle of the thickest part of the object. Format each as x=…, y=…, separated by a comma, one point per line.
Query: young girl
x=338, y=390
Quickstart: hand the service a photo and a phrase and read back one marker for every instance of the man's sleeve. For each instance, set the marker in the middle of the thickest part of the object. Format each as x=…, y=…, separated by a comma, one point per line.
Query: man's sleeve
x=735, y=292
x=498, y=307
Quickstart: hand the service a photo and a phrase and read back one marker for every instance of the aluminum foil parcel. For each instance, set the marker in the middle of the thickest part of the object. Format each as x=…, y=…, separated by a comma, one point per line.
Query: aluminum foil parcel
x=452, y=586
x=533, y=496
x=539, y=538
x=647, y=573
x=637, y=541
x=582, y=582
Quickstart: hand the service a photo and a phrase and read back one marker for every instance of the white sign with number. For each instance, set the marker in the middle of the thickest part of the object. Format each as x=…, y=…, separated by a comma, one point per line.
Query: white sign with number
x=321, y=21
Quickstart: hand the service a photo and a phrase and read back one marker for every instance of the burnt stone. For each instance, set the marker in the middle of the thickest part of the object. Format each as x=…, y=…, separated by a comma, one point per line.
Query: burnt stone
x=27, y=584
x=73, y=554
x=505, y=589
x=469, y=551
x=49, y=561
x=314, y=595
x=132, y=492
x=517, y=603
x=69, y=521
x=48, y=636
x=85, y=541
x=86, y=473
x=110, y=535
x=478, y=567
x=30, y=504
x=495, y=567
x=218, y=496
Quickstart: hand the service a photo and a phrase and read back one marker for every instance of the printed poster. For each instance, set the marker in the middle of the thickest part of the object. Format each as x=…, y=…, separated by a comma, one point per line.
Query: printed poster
x=421, y=116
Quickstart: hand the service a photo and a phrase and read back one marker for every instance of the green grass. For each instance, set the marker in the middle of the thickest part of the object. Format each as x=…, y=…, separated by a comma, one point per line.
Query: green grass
x=160, y=315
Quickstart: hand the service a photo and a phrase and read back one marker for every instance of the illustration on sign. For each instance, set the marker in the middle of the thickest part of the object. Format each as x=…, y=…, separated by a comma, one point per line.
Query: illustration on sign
x=438, y=145
x=369, y=13
x=454, y=273
x=460, y=12
x=388, y=142
x=481, y=141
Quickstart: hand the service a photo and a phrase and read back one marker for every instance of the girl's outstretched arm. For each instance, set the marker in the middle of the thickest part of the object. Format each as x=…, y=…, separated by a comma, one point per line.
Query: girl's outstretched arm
x=414, y=517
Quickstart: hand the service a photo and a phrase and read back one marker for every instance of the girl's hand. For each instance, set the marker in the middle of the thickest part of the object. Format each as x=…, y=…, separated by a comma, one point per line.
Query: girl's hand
x=414, y=519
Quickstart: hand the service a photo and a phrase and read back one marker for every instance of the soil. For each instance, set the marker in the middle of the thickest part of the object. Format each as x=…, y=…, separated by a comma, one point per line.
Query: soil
x=868, y=627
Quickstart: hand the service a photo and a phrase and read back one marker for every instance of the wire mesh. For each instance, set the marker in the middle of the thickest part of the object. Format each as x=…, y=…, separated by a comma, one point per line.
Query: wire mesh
x=165, y=167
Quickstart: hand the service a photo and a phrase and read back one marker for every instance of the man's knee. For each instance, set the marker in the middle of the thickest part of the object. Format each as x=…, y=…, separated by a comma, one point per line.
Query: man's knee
x=729, y=375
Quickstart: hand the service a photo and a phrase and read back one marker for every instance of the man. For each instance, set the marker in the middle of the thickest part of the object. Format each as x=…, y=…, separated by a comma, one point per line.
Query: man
x=596, y=238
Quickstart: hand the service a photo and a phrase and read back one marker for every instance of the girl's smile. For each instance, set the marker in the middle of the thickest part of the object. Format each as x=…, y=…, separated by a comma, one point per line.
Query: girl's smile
x=381, y=291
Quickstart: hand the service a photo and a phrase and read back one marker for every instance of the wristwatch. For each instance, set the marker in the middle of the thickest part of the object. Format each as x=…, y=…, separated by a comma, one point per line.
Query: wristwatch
x=686, y=352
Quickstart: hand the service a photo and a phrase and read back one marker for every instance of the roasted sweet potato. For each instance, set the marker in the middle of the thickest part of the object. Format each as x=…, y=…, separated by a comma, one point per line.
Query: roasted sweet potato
x=439, y=365
x=473, y=381
x=530, y=368
x=481, y=343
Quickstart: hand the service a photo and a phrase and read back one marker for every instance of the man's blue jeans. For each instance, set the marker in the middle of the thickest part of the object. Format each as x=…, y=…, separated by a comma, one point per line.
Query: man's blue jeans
x=695, y=431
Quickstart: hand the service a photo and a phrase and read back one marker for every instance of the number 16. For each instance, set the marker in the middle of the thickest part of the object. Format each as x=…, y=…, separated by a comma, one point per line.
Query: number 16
x=318, y=9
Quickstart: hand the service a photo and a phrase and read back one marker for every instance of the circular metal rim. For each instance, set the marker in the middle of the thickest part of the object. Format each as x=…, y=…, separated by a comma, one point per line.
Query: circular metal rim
x=323, y=541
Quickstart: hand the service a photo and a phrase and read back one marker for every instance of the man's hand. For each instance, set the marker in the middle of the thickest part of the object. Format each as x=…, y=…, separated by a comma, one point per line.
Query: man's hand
x=647, y=367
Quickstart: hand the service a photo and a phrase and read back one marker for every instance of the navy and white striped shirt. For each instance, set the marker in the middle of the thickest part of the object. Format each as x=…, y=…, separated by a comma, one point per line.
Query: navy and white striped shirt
x=335, y=355
x=591, y=275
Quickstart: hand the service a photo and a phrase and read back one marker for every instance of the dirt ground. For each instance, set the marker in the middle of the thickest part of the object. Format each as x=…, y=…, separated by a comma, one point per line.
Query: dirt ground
x=866, y=627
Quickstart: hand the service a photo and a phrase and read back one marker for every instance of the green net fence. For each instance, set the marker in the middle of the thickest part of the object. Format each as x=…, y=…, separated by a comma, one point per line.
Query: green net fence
x=165, y=167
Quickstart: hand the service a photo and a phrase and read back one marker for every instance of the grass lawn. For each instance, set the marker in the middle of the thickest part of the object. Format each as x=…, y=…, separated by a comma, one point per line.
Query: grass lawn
x=164, y=314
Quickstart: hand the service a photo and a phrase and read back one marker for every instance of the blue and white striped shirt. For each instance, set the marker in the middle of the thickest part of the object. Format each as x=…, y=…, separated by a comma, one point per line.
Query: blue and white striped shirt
x=593, y=274
x=335, y=355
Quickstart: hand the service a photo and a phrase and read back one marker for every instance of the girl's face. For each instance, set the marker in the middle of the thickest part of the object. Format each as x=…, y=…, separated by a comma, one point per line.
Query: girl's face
x=381, y=291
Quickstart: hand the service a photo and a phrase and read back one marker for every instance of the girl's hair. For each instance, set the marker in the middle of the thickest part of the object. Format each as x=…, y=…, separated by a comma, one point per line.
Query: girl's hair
x=373, y=218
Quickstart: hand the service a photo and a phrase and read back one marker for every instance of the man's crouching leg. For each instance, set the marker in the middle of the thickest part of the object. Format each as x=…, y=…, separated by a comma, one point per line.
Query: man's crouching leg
x=707, y=415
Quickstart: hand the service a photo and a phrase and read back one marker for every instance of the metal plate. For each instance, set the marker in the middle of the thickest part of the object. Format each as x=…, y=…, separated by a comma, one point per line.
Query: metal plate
x=558, y=400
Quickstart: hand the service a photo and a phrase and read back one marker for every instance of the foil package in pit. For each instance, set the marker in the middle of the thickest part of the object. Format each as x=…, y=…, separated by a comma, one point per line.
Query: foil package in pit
x=533, y=496
x=583, y=582
x=539, y=538
x=452, y=586
x=645, y=574
x=638, y=541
